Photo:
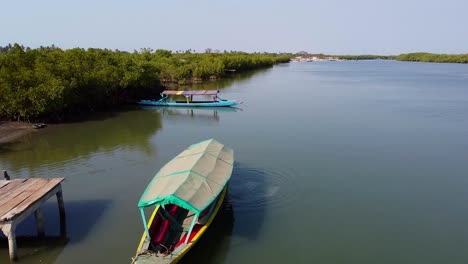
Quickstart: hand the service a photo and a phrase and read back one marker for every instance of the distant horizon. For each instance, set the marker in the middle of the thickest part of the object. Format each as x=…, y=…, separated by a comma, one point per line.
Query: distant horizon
x=330, y=27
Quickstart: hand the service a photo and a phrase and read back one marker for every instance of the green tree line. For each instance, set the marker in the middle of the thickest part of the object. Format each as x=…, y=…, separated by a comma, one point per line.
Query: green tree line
x=51, y=83
x=431, y=57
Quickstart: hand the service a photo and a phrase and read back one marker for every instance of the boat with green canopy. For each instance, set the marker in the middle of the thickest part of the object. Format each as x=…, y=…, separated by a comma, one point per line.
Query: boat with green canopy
x=215, y=101
x=187, y=193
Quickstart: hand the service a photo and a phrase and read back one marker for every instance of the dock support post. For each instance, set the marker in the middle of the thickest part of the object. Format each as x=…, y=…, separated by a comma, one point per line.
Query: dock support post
x=12, y=244
x=61, y=206
x=9, y=230
x=39, y=223
x=5, y=175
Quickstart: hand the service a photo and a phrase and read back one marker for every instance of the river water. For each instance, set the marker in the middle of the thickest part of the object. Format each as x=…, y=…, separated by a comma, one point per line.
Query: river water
x=336, y=162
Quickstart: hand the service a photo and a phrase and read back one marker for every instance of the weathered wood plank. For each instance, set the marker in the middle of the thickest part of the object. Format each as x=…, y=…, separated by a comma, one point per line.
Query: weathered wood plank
x=28, y=189
x=10, y=186
x=3, y=183
x=20, y=198
x=15, y=190
x=33, y=197
x=20, y=194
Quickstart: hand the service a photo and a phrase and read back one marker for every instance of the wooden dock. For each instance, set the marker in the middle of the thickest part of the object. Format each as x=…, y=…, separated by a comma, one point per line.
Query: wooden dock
x=19, y=198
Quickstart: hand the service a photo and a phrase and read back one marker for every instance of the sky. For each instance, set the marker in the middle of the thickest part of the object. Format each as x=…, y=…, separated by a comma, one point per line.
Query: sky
x=316, y=26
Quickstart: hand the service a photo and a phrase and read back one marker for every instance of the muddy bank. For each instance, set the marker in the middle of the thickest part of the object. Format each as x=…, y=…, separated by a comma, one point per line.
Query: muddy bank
x=10, y=131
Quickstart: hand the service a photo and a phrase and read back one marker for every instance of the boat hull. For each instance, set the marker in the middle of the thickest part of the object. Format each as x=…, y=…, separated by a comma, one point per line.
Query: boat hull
x=175, y=257
x=225, y=103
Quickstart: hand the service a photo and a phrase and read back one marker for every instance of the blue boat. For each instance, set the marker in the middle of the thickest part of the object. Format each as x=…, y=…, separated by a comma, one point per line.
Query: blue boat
x=189, y=102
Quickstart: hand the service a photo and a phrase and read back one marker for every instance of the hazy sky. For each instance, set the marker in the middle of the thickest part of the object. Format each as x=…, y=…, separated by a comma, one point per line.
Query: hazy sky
x=327, y=26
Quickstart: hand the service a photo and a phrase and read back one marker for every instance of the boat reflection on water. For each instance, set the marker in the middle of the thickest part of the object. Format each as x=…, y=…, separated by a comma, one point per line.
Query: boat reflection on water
x=197, y=114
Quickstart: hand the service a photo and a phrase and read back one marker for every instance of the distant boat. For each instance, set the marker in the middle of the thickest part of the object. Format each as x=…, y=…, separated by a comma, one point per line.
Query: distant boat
x=189, y=102
x=187, y=194
x=38, y=125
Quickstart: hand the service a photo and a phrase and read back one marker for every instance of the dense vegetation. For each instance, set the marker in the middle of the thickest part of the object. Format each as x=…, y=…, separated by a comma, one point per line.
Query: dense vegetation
x=430, y=57
x=51, y=83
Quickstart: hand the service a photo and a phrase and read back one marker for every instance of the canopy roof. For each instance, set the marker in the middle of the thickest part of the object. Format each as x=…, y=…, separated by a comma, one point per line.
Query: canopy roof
x=196, y=92
x=193, y=179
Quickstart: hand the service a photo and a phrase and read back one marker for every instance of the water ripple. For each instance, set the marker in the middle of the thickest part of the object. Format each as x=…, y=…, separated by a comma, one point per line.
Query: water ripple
x=252, y=189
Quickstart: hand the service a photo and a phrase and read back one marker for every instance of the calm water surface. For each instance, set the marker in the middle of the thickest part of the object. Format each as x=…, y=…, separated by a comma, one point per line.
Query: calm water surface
x=336, y=162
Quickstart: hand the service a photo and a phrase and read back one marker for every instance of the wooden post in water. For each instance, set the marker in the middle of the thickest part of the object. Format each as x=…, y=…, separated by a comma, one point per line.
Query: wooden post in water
x=9, y=231
x=63, y=222
x=39, y=223
x=5, y=175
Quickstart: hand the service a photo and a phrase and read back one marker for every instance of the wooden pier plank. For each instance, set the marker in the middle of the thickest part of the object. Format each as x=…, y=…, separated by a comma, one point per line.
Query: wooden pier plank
x=11, y=194
x=10, y=186
x=34, y=194
x=23, y=197
x=3, y=183
x=13, y=197
x=13, y=181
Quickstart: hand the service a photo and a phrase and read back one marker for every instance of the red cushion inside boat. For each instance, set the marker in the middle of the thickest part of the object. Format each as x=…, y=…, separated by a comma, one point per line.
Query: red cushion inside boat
x=162, y=226
x=195, y=230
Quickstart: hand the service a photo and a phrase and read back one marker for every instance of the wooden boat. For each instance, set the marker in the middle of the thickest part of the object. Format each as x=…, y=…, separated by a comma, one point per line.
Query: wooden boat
x=187, y=193
x=189, y=102
x=38, y=125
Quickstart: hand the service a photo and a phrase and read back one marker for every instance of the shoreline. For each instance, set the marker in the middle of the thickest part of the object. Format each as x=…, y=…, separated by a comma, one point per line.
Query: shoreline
x=11, y=131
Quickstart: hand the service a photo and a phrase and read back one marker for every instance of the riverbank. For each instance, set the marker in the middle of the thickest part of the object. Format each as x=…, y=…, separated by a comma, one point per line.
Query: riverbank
x=11, y=131
x=432, y=57
x=79, y=81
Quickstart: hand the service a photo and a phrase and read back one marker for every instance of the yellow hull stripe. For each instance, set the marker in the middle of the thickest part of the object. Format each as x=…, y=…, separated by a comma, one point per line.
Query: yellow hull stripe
x=202, y=230
x=143, y=237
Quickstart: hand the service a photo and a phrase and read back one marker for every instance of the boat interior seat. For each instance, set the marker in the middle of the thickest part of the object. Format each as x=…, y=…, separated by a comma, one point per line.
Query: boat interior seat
x=162, y=225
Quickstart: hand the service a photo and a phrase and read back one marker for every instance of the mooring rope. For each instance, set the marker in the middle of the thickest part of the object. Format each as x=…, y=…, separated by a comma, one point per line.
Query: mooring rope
x=147, y=253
